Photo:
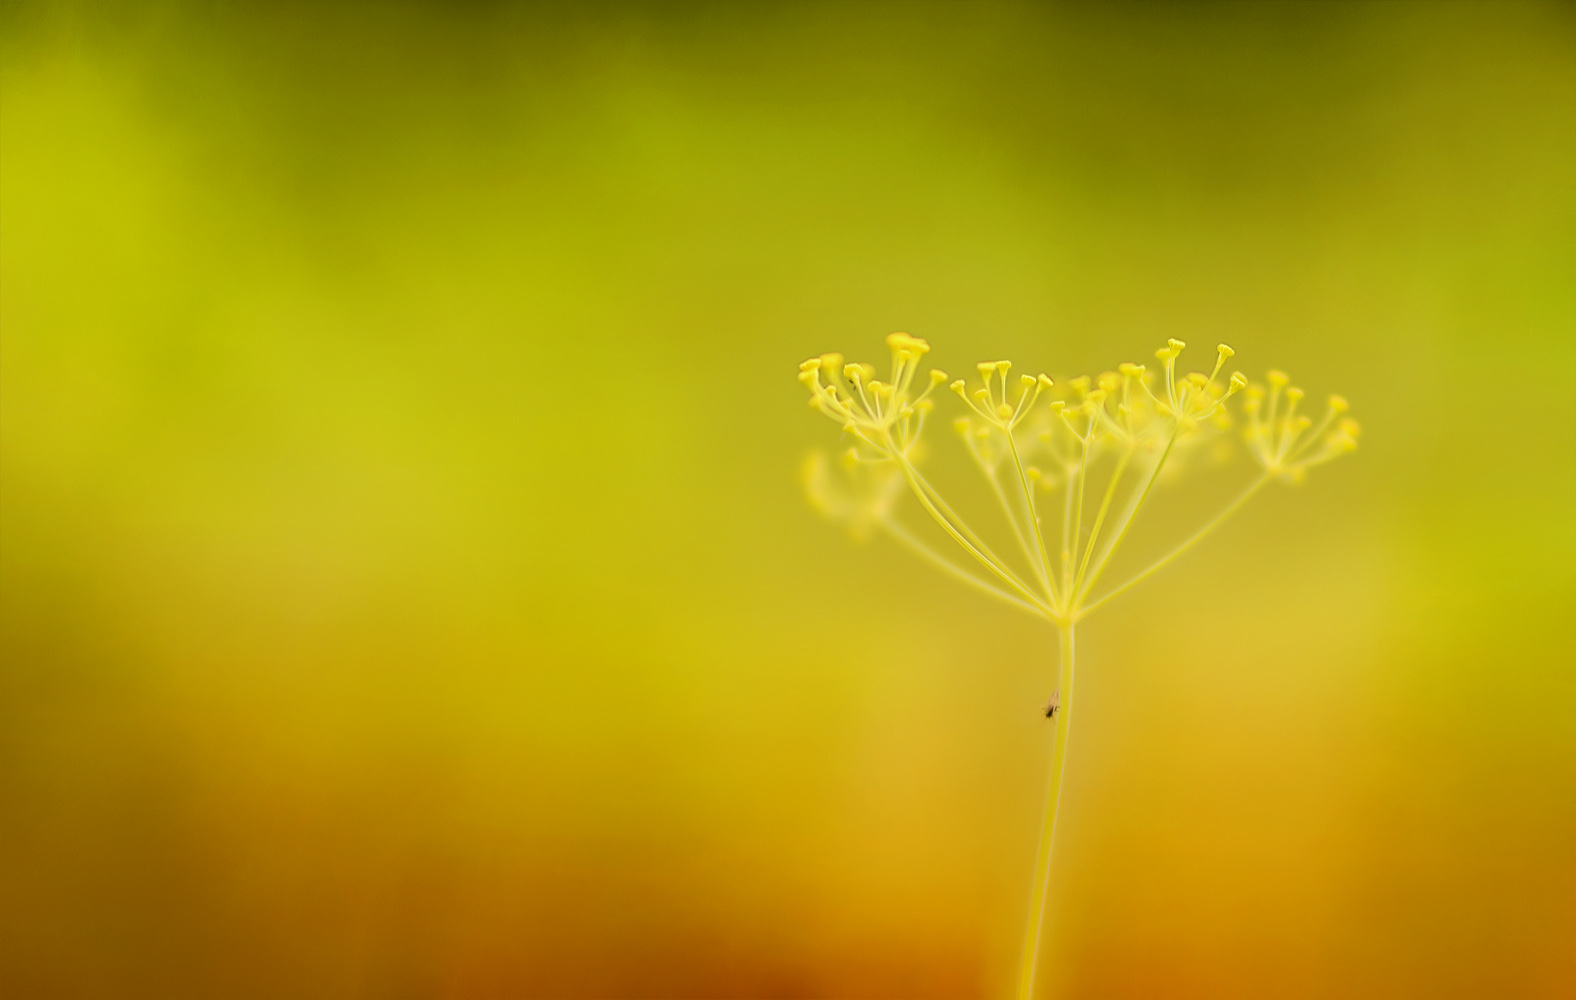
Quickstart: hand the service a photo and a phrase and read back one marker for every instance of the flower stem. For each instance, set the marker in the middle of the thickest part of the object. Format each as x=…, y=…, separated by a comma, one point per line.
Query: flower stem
x=1042, y=864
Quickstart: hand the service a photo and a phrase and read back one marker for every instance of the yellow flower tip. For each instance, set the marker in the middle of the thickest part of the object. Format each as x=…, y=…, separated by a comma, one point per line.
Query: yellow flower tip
x=1294, y=394
x=981, y=396
x=1081, y=384
x=1239, y=382
x=1350, y=428
x=1057, y=406
x=1277, y=378
x=1109, y=381
x=1003, y=366
x=986, y=368
x=937, y=376
x=1130, y=370
x=1165, y=354
x=1255, y=393
x=810, y=377
x=903, y=342
x=850, y=458
x=925, y=405
x=1033, y=473
x=815, y=402
x=1027, y=381
x=1046, y=381
x=1338, y=404
x=810, y=364
x=961, y=425
x=832, y=362
x=1224, y=351
x=1175, y=345
x=1198, y=378
x=958, y=387
x=1004, y=411
x=1095, y=399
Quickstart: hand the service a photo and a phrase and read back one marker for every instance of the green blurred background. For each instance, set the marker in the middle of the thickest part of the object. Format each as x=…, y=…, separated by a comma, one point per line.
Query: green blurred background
x=405, y=589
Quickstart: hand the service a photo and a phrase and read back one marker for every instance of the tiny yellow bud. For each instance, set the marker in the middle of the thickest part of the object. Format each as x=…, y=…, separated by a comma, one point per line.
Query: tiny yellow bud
x=957, y=387
x=937, y=376
x=1239, y=381
x=1027, y=381
x=1046, y=381
x=1003, y=411
x=1175, y=345
x=1224, y=351
x=1003, y=366
x=810, y=365
x=1277, y=377
x=1338, y=404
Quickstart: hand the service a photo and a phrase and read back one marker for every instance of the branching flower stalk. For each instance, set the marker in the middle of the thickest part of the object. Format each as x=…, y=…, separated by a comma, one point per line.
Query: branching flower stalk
x=1070, y=478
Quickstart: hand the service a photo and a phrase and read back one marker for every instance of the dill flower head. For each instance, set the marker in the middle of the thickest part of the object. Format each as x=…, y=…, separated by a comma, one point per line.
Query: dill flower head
x=887, y=416
x=1071, y=466
x=857, y=493
x=1070, y=478
x=1286, y=443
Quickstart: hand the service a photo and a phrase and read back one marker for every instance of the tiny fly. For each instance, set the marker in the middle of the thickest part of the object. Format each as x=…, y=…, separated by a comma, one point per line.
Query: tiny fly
x=1056, y=702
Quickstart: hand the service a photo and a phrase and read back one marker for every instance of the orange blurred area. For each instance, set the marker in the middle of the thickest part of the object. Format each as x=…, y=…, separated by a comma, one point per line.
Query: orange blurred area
x=405, y=588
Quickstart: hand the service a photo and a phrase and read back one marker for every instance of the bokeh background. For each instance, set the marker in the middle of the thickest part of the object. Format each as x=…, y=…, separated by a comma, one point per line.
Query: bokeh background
x=405, y=588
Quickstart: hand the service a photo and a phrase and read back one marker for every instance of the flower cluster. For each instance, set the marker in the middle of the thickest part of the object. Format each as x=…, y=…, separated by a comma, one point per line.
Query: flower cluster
x=1097, y=444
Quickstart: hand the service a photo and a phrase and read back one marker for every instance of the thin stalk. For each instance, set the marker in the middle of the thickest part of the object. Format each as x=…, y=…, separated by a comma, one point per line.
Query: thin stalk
x=1053, y=797
x=925, y=552
x=1073, y=600
x=985, y=557
x=1083, y=475
x=1034, y=521
x=1198, y=536
x=1012, y=519
x=1099, y=519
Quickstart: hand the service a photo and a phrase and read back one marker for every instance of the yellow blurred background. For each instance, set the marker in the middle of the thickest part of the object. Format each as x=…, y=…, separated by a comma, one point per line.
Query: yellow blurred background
x=405, y=589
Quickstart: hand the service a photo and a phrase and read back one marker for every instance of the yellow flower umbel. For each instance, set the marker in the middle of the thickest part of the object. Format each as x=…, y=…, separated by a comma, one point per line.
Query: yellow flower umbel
x=1070, y=477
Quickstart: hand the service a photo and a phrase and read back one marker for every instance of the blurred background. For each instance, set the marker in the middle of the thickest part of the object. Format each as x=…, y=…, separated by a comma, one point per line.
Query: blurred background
x=406, y=590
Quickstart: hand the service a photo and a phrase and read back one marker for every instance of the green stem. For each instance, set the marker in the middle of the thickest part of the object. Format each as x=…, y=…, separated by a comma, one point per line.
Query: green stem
x=1053, y=796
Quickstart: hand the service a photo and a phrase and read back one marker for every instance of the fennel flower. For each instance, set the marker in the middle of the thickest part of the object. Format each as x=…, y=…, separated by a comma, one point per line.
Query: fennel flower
x=1071, y=469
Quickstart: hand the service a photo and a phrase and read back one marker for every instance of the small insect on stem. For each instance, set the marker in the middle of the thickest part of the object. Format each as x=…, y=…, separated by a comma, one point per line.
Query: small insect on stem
x=1055, y=703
